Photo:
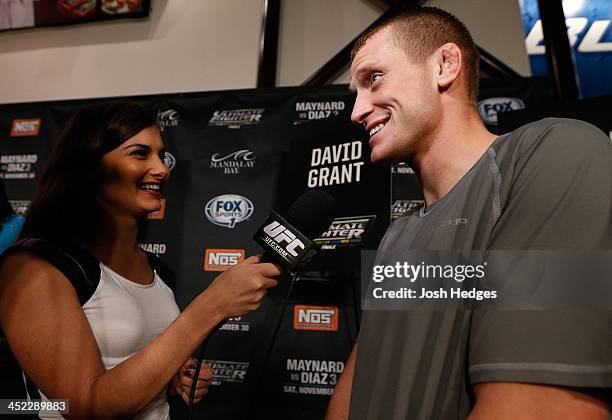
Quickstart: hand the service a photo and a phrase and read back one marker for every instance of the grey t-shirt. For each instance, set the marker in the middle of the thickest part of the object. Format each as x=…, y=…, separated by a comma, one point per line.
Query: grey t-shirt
x=546, y=185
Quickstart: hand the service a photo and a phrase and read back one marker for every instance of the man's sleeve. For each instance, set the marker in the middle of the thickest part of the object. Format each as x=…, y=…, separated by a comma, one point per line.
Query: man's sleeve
x=560, y=198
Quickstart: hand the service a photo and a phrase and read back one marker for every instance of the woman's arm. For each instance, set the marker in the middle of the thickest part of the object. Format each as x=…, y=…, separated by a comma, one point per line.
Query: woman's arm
x=53, y=342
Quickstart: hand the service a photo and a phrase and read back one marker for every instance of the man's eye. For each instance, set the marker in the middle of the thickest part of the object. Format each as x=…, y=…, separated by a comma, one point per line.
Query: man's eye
x=374, y=77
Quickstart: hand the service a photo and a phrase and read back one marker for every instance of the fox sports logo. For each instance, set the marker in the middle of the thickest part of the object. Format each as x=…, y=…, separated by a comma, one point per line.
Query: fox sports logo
x=489, y=108
x=229, y=209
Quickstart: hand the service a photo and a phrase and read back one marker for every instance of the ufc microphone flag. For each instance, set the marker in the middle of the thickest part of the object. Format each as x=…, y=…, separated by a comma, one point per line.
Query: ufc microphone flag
x=284, y=242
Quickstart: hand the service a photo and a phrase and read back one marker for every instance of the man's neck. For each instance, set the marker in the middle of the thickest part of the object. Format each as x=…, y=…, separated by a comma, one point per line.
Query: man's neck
x=458, y=142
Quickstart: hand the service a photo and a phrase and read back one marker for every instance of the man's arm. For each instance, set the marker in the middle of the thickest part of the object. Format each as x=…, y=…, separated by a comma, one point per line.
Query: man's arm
x=556, y=201
x=508, y=401
x=339, y=405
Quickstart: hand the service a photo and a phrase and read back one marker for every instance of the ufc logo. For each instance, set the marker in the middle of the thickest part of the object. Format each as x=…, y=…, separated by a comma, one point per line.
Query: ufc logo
x=281, y=234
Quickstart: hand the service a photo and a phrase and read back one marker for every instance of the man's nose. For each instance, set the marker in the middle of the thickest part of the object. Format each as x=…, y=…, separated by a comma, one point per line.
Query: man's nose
x=362, y=108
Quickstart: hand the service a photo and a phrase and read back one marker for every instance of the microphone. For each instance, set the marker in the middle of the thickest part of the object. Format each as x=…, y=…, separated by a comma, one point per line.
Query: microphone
x=289, y=240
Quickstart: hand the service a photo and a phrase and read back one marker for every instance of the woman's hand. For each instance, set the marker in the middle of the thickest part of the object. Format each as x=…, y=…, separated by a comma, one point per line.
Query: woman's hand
x=182, y=381
x=241, y=289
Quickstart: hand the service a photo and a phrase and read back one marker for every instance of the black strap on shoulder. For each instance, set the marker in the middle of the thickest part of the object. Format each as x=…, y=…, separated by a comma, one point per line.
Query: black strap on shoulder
x=79, y=267
x=166, y=274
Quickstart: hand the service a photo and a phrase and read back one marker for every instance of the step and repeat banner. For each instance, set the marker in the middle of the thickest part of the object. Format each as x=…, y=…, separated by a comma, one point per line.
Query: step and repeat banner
x=234, y=157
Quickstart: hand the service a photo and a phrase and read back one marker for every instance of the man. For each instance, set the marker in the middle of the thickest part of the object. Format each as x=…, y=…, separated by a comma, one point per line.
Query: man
x=545, y=186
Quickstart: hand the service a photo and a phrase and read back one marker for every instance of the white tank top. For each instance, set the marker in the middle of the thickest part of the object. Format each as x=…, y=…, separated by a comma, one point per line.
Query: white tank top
x=125, y=317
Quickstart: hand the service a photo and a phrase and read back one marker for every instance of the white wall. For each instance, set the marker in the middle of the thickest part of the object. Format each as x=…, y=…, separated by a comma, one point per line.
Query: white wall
x=316, y=29
x=185, y=45
x=495, y=25
x=203, y=45
x=313, y=31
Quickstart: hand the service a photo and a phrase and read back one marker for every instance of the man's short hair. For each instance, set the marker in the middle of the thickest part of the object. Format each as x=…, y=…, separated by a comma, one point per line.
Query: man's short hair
x=420, y=31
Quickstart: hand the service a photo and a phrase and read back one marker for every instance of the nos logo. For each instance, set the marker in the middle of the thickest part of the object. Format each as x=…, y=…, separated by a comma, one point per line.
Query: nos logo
x=489, y=108
x=229, y=209
x=222, y=259
x=318, y=318
x=281, y=234
x=25, y=127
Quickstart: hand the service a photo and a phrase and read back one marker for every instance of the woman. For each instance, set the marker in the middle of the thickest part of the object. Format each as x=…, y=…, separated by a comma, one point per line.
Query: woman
x=11, y=223
x=114, y=351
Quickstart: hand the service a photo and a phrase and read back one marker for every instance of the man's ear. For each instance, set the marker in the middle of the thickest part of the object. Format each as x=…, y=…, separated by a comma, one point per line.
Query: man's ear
x=449, y=62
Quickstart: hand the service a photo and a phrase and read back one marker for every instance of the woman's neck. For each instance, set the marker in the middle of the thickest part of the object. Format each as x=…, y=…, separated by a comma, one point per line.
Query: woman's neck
x=114, y=241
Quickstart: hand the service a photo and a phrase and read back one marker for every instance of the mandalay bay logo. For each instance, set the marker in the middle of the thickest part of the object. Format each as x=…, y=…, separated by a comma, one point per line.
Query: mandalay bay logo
x=233, y=162
x=167, y=118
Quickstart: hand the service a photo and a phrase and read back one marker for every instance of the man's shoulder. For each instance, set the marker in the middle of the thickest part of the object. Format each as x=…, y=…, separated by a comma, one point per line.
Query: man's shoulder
x=559, y=132
x=554, y=139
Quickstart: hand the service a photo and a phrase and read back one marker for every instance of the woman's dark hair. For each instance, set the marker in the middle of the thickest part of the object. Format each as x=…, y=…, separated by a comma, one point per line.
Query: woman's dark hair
x=63, y=207
x=6, y=210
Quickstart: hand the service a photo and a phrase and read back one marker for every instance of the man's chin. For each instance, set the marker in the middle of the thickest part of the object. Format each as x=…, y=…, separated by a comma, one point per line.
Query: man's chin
x=376, y=157
x=380, y=158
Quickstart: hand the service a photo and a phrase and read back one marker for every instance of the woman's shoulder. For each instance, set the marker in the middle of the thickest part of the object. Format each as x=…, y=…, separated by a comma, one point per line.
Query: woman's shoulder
x=24, y=272
x=45, y=260
x=18, y=259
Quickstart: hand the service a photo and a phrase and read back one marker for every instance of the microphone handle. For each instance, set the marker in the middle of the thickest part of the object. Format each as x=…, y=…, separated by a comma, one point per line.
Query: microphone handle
x=199, y=358
x=266, y=257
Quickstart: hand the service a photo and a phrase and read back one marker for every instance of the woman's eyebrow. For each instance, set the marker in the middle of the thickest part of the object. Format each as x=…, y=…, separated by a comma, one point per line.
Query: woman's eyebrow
x=146, y=146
